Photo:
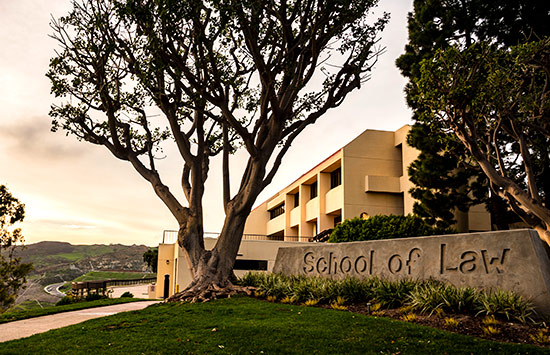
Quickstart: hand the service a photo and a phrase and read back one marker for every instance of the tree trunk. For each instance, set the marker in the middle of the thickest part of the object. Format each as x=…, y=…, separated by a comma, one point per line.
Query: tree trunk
x=213, y=269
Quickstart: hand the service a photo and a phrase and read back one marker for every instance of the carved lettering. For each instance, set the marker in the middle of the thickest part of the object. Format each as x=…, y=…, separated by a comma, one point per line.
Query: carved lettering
x=469, y=260
x=395, y=263
x=494, y=260
x=362, y=259
x=345, y=264
x=333, y=265
x=308, y=260
x=321, y=259
x=414, y=256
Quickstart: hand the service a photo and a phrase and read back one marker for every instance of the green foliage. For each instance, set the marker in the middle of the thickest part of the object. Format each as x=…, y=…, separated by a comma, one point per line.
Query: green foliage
x=433, y=296
x=113, y=275
x=13, y=315
x=383, y=227
x=508, y=305
x=13, y=272
x=392, y=294
x=221, y=76
x=496, y=102
x=66, y=300
x=94, y=297
x=249, y=326
x=424, y=296
x=445, y=175
x=127, y=294
x=150, y=257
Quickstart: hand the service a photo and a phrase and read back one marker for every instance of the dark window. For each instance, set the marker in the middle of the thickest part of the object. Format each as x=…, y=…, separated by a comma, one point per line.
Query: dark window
x=313, y=190
x=243, y=264
x=337, y=220
x=277, y=211
x=336, y=178
x=297, y=200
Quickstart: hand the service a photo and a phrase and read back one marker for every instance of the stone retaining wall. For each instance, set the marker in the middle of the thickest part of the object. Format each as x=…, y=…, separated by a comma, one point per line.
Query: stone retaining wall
x=514, y=260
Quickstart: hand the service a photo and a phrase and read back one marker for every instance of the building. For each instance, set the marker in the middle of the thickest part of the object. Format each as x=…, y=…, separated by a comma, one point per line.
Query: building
x=367, y=176
x=174, y=271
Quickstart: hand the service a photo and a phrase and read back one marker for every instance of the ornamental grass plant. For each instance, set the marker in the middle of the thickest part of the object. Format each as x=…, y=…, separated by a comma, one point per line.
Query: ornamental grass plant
x=424, y=296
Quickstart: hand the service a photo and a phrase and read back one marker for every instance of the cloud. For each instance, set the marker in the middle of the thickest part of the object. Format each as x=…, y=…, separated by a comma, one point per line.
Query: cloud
x=31, y=138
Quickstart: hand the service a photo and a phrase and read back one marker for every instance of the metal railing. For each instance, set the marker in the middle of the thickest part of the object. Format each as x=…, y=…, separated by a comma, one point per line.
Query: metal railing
x=84, y=287
x=171, y=237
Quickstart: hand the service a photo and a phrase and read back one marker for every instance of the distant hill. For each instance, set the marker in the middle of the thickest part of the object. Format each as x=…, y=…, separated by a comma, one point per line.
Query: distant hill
x=61, y=261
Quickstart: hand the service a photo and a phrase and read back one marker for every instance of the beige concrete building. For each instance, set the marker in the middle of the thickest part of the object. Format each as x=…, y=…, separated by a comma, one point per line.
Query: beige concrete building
x=368, y=175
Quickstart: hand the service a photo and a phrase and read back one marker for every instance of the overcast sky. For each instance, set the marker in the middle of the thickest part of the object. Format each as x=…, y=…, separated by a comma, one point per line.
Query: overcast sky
x=80, y=193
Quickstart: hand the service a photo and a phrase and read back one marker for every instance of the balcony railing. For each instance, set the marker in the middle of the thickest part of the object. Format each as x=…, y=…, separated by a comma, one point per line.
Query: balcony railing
x=171, y=237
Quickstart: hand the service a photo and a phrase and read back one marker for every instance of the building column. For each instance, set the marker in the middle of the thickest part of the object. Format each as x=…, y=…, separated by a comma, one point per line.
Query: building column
x=303, y=231
x=289, y=206
x=324, y=221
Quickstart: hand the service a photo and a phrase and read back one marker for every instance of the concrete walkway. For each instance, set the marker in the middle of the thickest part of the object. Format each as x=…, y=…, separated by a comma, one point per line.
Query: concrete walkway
x=27, y=327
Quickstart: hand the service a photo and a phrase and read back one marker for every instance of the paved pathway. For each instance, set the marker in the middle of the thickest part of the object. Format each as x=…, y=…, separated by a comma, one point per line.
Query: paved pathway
x=53, y=289
x=27, y=327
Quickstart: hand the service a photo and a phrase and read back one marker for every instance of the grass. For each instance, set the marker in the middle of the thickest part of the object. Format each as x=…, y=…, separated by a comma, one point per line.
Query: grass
x=107, y=275
x=38, y=312
x=112, y=275
x=242, y=325
x=29, y=305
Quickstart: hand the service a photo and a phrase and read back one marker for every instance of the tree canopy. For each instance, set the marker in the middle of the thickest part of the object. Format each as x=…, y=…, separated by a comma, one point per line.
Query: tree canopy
x=445, y=175
x=12, y=272
x=496, y=102
x=224, y=75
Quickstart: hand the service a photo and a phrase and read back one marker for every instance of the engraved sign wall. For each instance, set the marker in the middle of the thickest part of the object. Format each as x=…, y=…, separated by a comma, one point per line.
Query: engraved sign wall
x=511, y=260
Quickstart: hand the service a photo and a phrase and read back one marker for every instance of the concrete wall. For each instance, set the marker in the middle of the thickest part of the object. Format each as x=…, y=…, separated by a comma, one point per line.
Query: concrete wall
x=510, y=260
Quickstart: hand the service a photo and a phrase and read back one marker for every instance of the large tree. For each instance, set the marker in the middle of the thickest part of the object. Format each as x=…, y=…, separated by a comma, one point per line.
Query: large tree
x=445, y=175
x=224, y=75
x=13, y=272
x=496, y=102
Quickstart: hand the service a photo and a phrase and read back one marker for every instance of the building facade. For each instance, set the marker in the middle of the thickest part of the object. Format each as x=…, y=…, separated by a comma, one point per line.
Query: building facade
x=367, y=176
x=174, y=267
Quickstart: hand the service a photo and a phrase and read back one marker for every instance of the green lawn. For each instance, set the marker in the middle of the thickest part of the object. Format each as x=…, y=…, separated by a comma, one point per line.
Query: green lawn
x=108, y=275
x=52, y=309
x=113, y=275
x=243, y=325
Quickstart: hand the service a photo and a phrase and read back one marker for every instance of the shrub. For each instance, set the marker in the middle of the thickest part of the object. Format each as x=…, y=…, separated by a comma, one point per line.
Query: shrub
x=383, y=227
x=94, y=297
x=541, y=336
x=424, y=296
x=450, y=322
x=65, y=300
x=433, y=296
x=127, y=294
x=506, y=304
x=392, y=294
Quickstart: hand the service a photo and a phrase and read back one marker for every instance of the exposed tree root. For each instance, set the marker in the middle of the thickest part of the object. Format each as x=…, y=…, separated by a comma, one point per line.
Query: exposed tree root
x=212, y=291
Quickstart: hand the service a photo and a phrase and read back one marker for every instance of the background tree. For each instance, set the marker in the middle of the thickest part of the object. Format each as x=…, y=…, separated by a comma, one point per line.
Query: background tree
x=13, y=273
x=224, y=75
x=384, y=227
x=150, y=257
x=496, y=102
x=445, y=175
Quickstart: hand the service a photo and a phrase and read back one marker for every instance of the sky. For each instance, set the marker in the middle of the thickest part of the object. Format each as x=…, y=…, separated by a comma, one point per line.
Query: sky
x=79, y=193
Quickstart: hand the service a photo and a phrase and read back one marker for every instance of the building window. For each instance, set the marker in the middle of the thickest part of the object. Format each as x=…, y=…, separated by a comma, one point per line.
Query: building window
x=336, y=178
x=244, y=264
x=337, y=220
x=277, y=211
x=313, y=190
x=296, y=199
